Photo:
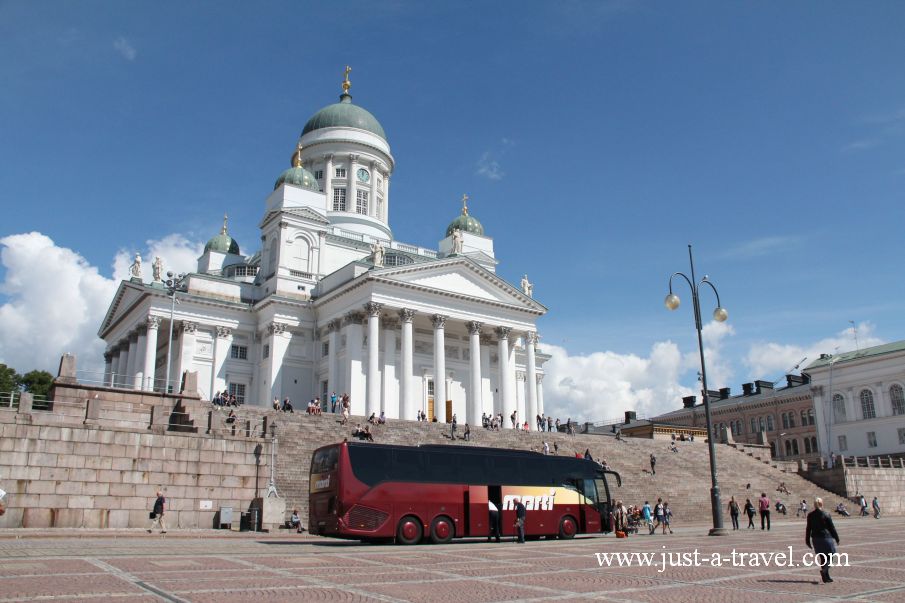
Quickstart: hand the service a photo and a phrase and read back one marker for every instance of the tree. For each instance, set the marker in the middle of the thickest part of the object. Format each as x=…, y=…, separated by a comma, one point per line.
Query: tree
x=9, y=379
x=38, y=383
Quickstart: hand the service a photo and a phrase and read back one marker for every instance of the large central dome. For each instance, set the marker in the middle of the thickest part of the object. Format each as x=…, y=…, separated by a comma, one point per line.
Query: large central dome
x=344, y=115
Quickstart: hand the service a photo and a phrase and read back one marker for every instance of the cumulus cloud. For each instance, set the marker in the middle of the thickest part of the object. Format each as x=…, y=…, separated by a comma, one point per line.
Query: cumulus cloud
x=766, y=359
x=603, y=385
x=55, y=299
x=125, y=48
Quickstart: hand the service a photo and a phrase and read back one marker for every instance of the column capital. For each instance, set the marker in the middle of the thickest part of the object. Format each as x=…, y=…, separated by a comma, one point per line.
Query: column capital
x=503, y=332
x=539, y=377
x=407, y=315
x=520, y=375
x=474, y=327
x=352, y=318
x=531, y=337
x=328, y=156
x=108, y=356
x=223, y=332
x=139, y=331
x=390, y=323
x=439, y=321
x=353, y=156
x=333, y=325
x=189, y=327
x=275, y=328
x=485, y=339
x=153, y=322
x=373, y=308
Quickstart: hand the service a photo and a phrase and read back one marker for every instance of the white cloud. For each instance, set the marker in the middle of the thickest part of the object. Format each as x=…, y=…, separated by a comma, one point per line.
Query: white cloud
x=489, y=167
x=769, y=359
x=760, y=247
x=860, y=145
x=603, y=385
x=56, y=299
x=125, y=48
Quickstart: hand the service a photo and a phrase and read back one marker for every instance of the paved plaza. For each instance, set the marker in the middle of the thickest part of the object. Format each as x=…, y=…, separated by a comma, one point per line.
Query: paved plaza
x=199, y=566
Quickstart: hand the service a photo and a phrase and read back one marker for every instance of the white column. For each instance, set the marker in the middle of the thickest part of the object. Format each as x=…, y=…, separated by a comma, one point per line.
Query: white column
x=439, y=322
x=506, y=390
x=373, y=401
x=151, y=353
x=108, y=368
x=355, y=378
x=186, y=352
x=351, y=200
x=332, y=342
x=520, y=401
x=408, y=410
x=223, y=341
x=116, y=374
x=386, y=198
x=129, y=374
x=373, y=194
x=390, y=396
x=531, y=379
x=279, y=344
x=540, y=393
x=487, y=401
x=328, y=181
x=512, y=385
x=140, y=349
x=474, y=393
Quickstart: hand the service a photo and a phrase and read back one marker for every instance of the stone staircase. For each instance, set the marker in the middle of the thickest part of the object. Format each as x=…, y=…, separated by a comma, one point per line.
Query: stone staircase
x=682, y=478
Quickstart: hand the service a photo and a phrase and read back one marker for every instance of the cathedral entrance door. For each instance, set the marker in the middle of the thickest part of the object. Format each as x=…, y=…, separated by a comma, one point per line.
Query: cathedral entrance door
x=430, y=408
x=449, y=411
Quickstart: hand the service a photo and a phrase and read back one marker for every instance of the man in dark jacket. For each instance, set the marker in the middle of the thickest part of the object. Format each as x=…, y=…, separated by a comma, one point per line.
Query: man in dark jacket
x=157, y=513
x=520, y=521
x=822, y=533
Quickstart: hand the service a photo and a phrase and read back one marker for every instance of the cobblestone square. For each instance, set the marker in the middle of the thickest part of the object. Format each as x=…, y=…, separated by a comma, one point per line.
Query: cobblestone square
x=195, y=566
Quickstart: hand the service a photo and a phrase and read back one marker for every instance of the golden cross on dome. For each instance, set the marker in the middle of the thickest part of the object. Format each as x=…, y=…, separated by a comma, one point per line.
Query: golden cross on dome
x=346, y=83
x=297, y=159
x=465, y=205
x=225, y=218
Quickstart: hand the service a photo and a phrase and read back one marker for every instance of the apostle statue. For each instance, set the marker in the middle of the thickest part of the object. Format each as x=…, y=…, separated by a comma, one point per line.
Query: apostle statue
x=457, y=241
x=135, y=268
x=527, y=287
x=157, y=268
x=378, y=254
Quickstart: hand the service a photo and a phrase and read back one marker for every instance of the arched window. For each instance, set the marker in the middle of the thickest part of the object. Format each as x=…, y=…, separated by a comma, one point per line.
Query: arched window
x=785, y=420
x=792, y=420
x=897, y=397
x=814, y=444
x=788, y=448
x=810, y=416
x=867, y=404
x=300, y=254
x=753, y=425
x=773, y=449
x=761, y=424
x=807, y=445
x=770, y=425
x=272, y=257
x=795, y=447
x=739, y=427
x=838, y=408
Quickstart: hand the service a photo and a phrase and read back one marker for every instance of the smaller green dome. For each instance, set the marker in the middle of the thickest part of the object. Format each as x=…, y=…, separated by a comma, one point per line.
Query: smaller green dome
x=223, y=243
x=465, y=223
x=300, y=177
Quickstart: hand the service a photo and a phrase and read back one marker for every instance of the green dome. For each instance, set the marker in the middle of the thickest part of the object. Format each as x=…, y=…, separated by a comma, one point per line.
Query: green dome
x=223, y=243
x=465, y=223
x=344, y=115
x=298, y=176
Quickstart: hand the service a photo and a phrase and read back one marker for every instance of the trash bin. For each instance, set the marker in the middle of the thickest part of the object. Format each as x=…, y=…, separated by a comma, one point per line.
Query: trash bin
x=226, y=517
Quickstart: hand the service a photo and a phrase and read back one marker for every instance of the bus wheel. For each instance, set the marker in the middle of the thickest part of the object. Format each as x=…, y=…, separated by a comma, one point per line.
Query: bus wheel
x=567, y=527
x=409, y=530
x=442, y=530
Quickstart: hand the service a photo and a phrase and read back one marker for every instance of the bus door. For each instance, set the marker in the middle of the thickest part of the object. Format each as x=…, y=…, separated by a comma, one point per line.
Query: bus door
x=323, y=488
x=477, y=511
x=590, y=511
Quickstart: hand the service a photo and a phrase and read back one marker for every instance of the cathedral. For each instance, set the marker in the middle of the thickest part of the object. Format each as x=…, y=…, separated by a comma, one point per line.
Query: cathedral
x=332, y=303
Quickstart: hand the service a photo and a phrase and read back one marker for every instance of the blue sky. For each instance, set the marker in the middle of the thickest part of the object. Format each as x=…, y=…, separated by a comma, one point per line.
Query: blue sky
x=595, y=139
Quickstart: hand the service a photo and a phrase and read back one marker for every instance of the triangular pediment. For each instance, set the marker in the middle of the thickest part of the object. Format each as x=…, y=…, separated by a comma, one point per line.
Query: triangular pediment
x=125, y=298
x=460, y=277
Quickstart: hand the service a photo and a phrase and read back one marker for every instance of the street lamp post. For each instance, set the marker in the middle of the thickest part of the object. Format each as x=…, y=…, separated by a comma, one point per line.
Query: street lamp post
x=173, y=284
x=719, y=315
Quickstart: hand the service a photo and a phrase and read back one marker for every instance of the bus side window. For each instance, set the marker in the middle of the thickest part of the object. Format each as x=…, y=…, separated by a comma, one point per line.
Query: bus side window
x=590, y=491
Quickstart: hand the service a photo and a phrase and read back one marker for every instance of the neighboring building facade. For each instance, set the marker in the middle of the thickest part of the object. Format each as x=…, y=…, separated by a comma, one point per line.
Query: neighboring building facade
x=333, y=303
x=782, y=418
x=859, y=400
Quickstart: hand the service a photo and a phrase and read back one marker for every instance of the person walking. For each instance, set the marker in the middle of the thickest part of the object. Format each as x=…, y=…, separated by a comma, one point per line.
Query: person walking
x=648, y=517
x=452, y=427
x=863, y=502
x=802, y=509
x=520, y=514
x=821, y=532
x=876, y=505
x=764, y=507
x=733, y=512
x=749, y=511
x=653, y=464
x=667, y=517
x=658, y=515
x=157, y=514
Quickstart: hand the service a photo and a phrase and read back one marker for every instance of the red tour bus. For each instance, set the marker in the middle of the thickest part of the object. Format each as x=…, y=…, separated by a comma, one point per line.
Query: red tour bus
x=373, y=492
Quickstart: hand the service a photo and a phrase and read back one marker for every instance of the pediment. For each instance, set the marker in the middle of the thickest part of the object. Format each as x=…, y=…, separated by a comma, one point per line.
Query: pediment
x=460, y=277
x=125, y=298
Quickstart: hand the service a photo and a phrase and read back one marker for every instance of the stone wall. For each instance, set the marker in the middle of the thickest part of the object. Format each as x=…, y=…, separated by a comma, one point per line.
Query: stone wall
x=98, y=456
x=886, y=483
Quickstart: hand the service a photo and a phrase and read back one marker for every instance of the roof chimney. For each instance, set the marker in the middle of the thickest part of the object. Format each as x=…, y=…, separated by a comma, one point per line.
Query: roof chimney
x=763, y=386
x=724, y=393
x=747, y=389
x=630, y=416
x=795, y=380
x=689, y=401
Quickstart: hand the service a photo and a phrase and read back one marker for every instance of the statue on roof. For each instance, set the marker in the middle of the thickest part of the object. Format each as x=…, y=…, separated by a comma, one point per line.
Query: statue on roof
x=527, y=286
x=157, y=269
x=377, y=254
x=135, y=268
x=457, y=241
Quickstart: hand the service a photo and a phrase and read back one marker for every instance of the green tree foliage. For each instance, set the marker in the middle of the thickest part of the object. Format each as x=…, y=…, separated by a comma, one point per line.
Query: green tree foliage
x=9, y=379
x=37, y=382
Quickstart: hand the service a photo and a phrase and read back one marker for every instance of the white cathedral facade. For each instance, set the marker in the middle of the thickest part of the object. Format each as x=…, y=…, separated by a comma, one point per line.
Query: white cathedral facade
x=333, y=303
